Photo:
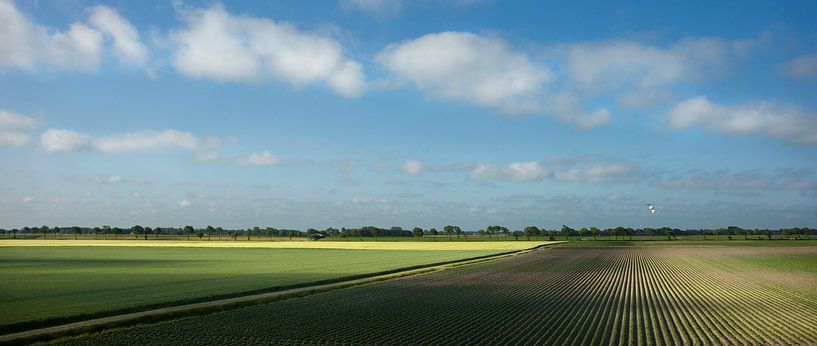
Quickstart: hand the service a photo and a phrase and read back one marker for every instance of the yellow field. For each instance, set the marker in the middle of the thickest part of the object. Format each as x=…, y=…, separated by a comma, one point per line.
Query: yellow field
x=351, y=245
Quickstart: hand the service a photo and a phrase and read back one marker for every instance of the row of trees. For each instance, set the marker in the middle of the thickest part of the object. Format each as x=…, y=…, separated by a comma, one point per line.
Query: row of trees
x=106, y=232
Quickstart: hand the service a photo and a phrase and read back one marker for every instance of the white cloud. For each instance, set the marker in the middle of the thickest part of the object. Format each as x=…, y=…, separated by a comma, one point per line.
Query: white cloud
x=412, y=167
x=535, y=171
x=265, y=158
x=126, y=43
x=525, y=171
x=468, y=67
x=617, y=65
x=208, y=156
x=13, y=121
x=14, y=128
x=114, y=179
x=28, y=45
x=220, y=46
x=376, y=7
x=185, y=203
x=153, y=140
x=803, y=67
x=516, y=171
x=65, y=140
x=598, y=173
x=14, y=139
x=768, y=119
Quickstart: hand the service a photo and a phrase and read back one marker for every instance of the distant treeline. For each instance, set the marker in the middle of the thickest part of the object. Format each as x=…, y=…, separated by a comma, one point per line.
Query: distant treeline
x=567, y=232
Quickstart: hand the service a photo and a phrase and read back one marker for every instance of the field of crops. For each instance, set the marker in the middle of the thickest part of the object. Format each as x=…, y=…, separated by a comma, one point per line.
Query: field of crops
x=261, y=244
x=616, y=295
x=71, y=279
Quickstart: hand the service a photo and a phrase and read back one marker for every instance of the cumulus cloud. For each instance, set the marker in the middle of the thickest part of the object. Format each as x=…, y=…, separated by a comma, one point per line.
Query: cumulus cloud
x=185, y=203
x=217, y=45
x=803, y=67
x=412, y=167
x=127, y=45
x=265, y=158
x=765, y=118
x=13, y=121
x=67, y=140
x=28, y=45
x=468, y=67
x=14, y=129
x=375, y=7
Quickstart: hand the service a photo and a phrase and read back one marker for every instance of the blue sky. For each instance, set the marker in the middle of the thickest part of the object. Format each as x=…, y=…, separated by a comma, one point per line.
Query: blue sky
x=408, y=113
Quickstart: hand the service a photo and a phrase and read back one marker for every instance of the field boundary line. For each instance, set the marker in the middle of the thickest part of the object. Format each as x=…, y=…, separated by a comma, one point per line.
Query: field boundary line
x=179, y=311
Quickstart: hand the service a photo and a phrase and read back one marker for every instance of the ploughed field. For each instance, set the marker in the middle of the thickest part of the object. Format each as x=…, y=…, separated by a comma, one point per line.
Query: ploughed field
x=45, y=282
x=586, y=295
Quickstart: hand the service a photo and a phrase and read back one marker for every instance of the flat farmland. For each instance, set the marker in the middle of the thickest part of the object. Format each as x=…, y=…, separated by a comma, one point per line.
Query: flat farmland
x=46, y=282
x=579, y=295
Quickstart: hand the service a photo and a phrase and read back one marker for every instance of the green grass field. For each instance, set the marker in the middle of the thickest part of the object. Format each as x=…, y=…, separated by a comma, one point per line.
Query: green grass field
x=49, y=283
x=622, y=293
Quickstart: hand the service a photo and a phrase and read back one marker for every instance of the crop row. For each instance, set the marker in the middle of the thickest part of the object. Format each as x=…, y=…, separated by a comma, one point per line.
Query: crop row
x=580, y=296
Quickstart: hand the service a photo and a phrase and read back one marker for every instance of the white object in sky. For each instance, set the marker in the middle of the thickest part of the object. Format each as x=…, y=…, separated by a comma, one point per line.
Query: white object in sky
x=651, y=208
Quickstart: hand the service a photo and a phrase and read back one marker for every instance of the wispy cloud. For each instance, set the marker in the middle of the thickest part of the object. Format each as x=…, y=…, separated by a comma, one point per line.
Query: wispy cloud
x=265, y=158
x=53, y=140
x=769, y=119
x=802, y=68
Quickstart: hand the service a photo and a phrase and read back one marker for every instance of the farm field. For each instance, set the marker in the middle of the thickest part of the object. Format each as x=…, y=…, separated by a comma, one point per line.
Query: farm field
x=62, y=280
x=586, y=295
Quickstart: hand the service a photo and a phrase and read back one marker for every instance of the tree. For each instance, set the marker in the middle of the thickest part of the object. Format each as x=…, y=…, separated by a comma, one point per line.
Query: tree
x=57, y=231
x=248, y=233
x=44, y=230
x=433, y=231
x=738, y=231
x=531, y=230
x=219, y=231
x=584, y=232
x=649, y=232
x=375, y=231
x=458, y=231
x=77, y=231
x=417, y=232
x=135, y=230
x=449, y=230
x=595, y=232
x=187, y=230
x=566, y=232
x=209, y=231
x=156, y=231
